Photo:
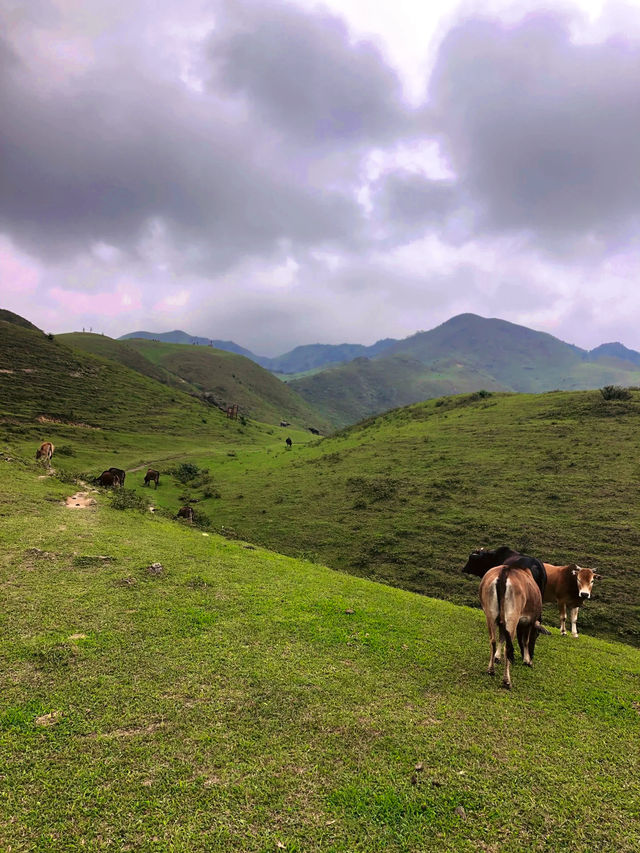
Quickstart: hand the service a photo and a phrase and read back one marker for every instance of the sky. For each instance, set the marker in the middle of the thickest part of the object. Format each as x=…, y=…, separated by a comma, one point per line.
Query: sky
x=285, y=173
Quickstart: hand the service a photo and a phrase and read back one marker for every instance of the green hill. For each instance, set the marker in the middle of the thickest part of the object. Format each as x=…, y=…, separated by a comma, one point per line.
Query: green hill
x=238, y=700
x=44, y=379
x=467, y=353
x=227, y=378
x=405, y=497
x=128, y=356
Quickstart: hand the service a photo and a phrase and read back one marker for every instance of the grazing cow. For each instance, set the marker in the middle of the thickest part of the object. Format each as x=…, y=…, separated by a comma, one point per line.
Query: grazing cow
x=288, y=442
x=512, y=604
x=120, y=474
x=108, y=479
x=483, y=559
x=187, y=513
x=314, y=431
x=45, y=451
x=284, y=423
x=152, y=475
x=569, y=585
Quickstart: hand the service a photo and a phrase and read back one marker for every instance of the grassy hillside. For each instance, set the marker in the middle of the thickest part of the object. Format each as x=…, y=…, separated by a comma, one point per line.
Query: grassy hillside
x=240, y=700
x=121, y=352
x=405, y=497
x=353, y=391
x=232, y=378
x=467, y=353
x=46, y=379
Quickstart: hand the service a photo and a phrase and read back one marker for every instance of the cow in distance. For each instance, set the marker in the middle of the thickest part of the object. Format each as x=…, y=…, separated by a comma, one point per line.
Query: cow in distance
x=120, y=474
x=45, y=451
x=512, y=605
x=152, y=475
x=186, y=512
x=288, y=442
x=108, y=480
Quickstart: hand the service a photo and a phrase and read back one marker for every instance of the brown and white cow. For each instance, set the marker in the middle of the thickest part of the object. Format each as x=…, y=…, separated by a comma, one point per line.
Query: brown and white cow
x=150, y=476
x=108, y=479
x=186, y=512
x=512, y=605
x=45, y=451
x=570, y=586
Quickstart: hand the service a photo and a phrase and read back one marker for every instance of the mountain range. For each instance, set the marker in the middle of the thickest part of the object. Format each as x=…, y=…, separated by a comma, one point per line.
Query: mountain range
x=348, y=382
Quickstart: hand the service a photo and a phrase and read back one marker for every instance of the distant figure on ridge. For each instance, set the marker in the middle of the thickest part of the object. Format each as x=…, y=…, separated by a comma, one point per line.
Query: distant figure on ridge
x=288, y=442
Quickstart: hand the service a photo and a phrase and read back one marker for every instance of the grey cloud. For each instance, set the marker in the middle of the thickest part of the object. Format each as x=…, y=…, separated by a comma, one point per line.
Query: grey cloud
x=302, y=72
x=100, y=157
x=542, y=131
x=408, y=203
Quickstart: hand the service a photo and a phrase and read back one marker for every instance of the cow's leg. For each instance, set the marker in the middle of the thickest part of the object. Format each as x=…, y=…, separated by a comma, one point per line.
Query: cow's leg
x=491, y=625
x=573, y=613
x=563, y=618
x=511, y=631
x=499, y=653
x=529, y=641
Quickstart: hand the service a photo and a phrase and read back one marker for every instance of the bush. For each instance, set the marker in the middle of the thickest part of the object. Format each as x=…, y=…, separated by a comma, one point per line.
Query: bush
x=65, y=450
x=615, y=392
x=185, y=471
x=128, y=499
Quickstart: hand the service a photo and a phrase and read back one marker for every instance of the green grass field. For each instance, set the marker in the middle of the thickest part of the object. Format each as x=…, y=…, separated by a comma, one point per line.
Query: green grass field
x=243, y=700
x=405, y=497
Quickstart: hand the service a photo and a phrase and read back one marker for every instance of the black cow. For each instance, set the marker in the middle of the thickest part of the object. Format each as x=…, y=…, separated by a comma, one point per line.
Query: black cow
x=483, y=559
x=314, y=431
x=288, y=442
x=120, y=474
x=107, y=479
x=152, y=475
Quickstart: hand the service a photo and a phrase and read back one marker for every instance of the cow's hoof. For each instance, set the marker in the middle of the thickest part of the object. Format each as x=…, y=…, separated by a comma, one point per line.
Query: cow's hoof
x=491, y=672
x=527, y=663
x=506, y=685
x=575, y=636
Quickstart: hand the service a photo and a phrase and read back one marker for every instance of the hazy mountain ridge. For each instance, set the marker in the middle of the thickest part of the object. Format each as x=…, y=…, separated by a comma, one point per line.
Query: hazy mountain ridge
x=427, y=346
x=466, y=353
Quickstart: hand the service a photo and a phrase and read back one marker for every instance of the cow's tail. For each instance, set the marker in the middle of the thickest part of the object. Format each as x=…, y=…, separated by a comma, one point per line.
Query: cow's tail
x=501, y=591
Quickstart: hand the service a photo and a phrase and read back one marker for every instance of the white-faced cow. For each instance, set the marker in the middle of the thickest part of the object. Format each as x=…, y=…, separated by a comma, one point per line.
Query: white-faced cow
x=45, y=451
x=570, y=586
x=483, y=559
x=150, y=476
x=512, y=605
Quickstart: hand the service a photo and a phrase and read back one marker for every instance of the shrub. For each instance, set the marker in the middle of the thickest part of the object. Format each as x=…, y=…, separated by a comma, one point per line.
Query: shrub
x=128, y=499
x=615, y=392
x=186, y=471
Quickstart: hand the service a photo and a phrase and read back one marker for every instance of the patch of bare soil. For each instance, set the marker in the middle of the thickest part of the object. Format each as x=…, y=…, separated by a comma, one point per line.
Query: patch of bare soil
x=45, y=419
x=81, y=500
x=48, y=719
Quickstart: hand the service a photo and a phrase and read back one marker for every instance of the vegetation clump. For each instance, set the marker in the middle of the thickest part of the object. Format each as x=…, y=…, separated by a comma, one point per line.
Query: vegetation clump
x=128, y=499
x=615, y=392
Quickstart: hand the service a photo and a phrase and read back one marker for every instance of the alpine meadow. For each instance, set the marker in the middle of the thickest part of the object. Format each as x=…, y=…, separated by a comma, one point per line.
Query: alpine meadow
x=304, y=666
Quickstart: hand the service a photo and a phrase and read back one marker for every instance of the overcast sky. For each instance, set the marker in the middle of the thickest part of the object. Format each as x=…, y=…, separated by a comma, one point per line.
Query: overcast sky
x=280, y=173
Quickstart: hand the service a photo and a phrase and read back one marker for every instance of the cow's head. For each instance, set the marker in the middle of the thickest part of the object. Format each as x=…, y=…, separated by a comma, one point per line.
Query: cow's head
x=584, y=580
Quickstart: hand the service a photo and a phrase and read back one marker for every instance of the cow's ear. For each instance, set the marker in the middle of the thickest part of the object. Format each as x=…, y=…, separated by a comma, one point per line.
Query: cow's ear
x=597, y=577
x=574, y=570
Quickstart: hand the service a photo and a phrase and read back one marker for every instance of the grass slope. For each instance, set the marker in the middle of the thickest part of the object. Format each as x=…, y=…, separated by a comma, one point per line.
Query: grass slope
x=241, y=700
x=353, y=391
x=44, y=378
x=405, y=497
x=119, y=351
x=467, y=353
x=232, y=378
